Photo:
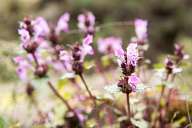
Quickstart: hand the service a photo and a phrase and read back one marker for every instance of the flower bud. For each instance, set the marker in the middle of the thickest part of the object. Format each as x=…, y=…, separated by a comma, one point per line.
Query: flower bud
x=179, y=52
x=123, y=84
x=28, y=24
x=169, y=65
x=127, y=69
x=30, y=47
x=53, y=37
x=29, y=89
x=77, y=67
x=41, y=70
x=76, y=52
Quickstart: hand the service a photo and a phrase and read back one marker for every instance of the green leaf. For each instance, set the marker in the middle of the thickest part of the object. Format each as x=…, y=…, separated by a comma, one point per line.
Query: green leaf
x=61, y=83
x=105, y=60
x=112, y=88
x=178, y=122
x=2, y=123
x=89, y=64
x=158, y=66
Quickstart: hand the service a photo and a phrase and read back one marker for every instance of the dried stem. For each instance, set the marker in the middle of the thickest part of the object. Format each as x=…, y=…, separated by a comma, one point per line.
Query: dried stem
x=59, y=96
x=87, y=88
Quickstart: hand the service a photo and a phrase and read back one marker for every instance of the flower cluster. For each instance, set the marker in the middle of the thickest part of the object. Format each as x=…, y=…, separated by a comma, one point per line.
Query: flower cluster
x=128, y=61
x=86, y=22
x=34, y=36
x=179, y=53
x=73, y=61
x=172, y=63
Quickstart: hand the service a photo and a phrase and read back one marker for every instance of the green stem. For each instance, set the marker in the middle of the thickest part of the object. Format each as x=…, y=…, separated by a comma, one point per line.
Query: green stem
x=35, y=59
x=128, y=107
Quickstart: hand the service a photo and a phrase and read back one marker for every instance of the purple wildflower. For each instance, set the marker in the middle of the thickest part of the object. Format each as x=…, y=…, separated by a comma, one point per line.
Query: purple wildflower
x=86, y=48
x=66, y=59
x=62, y=24
x=74, y=61
x=132, y=54
x=128, y=83
x=141, y=29
x=128, y=62
x=23, y=67
x=179, y=53
x=86, y=22
x=24, y=35
x=131, y=57
x=41, y=28
x=133, y=82
x=109, y=45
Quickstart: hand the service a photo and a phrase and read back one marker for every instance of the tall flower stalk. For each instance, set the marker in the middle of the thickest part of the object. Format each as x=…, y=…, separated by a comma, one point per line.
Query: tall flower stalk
x=73, y=60
x=128, y=62
x=32, y=34
x=88, y=90
x=56, y=93
x=172, y=68
x=128, y=107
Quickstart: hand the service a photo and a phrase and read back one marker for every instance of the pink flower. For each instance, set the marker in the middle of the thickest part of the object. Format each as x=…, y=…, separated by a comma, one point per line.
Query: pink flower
x=41, y=28
x=88, y=39
x=132, y=54
x=80, y=115
x=141, y=29
x=179, y=52
x=76, y=57
x=86, y=48
x=131, y=57
x=62, y=24
x=22, y=73
x=18, y=59
x=23, y=67
x=120, y=54
x=66, y=58
x=109, y=44
x=86, y=22
x=133, y=81
x=24, y=35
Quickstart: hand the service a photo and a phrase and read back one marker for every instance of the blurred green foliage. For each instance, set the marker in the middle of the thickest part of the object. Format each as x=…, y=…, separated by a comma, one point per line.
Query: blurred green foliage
x=168, y=18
